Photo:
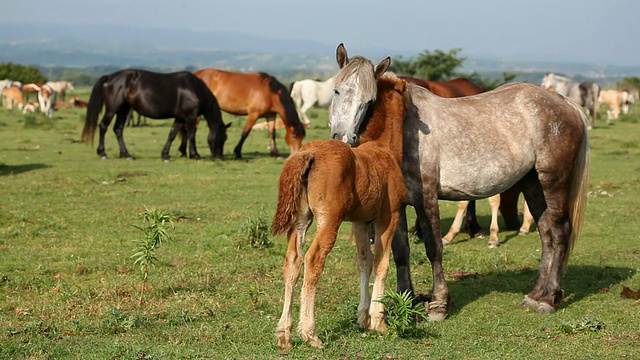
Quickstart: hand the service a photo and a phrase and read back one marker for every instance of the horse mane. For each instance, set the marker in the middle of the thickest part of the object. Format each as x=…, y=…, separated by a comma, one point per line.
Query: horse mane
x=285, y=98
x=363, y=69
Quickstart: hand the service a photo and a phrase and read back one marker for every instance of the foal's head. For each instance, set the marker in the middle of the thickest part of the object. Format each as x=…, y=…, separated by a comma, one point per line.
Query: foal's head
x=355, y=90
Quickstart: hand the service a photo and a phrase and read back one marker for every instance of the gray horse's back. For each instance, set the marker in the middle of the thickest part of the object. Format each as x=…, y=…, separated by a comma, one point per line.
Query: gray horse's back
x=481, y=145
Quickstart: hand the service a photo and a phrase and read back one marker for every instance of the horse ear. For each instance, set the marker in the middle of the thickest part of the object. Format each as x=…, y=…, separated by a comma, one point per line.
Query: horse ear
x=382, y=67
x=400, y=85
x=228, y=125
x=341, y=56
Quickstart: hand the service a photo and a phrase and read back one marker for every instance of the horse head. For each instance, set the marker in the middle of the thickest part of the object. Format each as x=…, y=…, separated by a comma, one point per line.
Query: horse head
x=355, y=90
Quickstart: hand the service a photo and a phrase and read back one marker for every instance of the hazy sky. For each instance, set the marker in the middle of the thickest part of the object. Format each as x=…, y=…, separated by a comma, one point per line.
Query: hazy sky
x=587, y=31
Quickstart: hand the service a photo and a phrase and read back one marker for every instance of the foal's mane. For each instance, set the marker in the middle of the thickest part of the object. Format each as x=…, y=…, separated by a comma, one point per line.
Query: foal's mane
x=363, y=70
x=384, y=113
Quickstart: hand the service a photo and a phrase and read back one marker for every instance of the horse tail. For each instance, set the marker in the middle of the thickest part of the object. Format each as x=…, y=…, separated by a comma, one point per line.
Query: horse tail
x=579, y=186
x=295, y=93
x=595, y=90
x=291, y=190
x=96, y=100
x=292, y=118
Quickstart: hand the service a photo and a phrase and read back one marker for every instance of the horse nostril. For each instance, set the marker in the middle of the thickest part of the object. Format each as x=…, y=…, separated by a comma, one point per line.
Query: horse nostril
x=334, y=136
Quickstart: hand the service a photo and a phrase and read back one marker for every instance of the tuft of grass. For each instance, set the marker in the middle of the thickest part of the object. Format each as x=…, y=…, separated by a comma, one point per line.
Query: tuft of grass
x=402, y=313
x=583, y=325
x=255, y=232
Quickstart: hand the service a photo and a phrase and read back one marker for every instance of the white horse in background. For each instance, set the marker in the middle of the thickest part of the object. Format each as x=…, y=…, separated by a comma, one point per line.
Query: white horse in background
x=584, y=93
x=628, y=98
x=47, y=99
x=60, y=87
x=308, y=93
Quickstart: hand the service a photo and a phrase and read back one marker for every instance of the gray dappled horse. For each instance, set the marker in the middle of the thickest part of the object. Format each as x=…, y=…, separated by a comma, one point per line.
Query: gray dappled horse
x=516, y=134
x=584, y=93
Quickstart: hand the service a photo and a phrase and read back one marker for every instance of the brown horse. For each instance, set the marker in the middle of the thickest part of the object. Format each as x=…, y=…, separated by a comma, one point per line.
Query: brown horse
x=334, y=182
x=255, y=95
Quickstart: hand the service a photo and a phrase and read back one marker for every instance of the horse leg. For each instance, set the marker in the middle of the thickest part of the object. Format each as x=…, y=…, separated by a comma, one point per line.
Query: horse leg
x=457, y=223
x=494, y=202
x=471, y=221
x=291, y=273
x=364, y=260
x=251, y=119
x=429, y=219
x=303, y=112
x=118, y=129
x=314, y=261
x=176, y=128
x=191, y=129
x=385, y=227
x=547, y=196
x=271, y=124
x=527, y=221
x=104, y=126
x=401, y=253
x=509, y=207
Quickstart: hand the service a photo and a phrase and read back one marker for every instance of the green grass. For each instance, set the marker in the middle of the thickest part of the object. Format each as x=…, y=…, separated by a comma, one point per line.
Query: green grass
x=69, y=287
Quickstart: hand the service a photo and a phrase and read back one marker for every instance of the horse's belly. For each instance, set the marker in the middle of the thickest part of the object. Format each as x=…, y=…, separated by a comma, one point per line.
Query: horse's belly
x=476, y=182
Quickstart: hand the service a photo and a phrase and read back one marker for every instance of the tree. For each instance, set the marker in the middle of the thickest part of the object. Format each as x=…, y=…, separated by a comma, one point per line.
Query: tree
x=24, y=74
x=434, y=66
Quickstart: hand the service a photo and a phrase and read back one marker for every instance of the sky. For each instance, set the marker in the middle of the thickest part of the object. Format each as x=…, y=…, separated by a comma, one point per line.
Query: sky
x=585, y=31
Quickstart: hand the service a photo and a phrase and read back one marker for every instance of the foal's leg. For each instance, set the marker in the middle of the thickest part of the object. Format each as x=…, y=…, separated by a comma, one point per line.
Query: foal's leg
x=291, y=273
x=457, y=223
x=385, y=226
x=494, y=202
x=364, y=260
x=313, y=266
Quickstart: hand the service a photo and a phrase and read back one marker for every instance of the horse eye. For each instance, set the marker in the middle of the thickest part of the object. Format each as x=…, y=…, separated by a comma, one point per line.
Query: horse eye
x=335, y=91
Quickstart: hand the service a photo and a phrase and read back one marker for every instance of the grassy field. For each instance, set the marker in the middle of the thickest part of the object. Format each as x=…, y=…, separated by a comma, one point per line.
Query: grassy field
x=69, y=288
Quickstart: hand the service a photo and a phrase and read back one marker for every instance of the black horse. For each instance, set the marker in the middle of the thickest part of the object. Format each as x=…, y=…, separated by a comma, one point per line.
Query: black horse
x=180, y=95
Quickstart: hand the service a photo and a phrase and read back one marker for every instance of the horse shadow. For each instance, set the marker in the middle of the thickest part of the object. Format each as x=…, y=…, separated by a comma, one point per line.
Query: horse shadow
x=6, y=170
x=580, y=281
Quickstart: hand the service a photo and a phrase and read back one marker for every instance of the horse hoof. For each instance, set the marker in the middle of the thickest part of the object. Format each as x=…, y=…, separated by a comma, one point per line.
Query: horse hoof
x=130, y=158
x=527, y=301
x=103, y=157
x=523, y=232
x=165, y=160
x=544, y=308
x=437, y=311
x=446, y=242
x=493, y=245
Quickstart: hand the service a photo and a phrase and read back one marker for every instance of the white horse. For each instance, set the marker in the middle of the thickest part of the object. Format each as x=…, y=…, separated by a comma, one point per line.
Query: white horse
x=308, y=92
x=584, y=93
x=628, y=98
x=60, y=87
x=47, y=99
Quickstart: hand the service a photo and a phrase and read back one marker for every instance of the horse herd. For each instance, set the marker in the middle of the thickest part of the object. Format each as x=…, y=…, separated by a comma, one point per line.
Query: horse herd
x=14, y=93
x=390, y=146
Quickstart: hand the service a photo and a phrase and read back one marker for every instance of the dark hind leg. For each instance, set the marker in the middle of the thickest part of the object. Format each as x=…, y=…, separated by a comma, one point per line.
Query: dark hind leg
x=104, y=126
x=471, y=221
x=118, y=128
x=401, y=253
x=546, y=195
x=509, y=207
x=251, y=119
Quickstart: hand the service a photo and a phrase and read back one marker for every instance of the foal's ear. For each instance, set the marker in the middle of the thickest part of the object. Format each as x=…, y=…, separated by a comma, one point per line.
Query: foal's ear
x=341, y=56
x=400, y=85
x=382, y=67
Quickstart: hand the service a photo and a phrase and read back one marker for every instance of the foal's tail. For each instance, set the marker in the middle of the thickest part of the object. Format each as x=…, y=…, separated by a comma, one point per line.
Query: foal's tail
x=93, y=110
x=579, y=186
x=291, y=189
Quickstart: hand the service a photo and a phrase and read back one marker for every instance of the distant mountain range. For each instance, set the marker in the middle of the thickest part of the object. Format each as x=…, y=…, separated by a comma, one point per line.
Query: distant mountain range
x=128, y=46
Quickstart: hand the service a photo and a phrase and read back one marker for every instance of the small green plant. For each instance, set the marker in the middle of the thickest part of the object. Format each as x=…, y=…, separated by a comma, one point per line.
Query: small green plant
x=402, y=313
x=255, y=232
x=583, y=325
x=155, y=230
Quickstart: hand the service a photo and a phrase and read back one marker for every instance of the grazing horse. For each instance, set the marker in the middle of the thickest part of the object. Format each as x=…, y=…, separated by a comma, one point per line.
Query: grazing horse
x=255, y=95
x=159, y=96
x=628, y=98
x=60, y=87
x=613, y=99
x=12, y=96
x=516, y=134
x=460, y=87
x=584, y=93
x=308, y=93
x=334, y=182
x=31, y=88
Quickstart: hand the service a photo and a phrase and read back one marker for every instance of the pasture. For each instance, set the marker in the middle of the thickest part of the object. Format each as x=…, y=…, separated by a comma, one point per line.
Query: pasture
x=69, y=287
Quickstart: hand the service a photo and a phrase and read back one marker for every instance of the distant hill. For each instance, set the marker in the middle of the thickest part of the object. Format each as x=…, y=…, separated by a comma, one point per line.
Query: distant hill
x=73, y=46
